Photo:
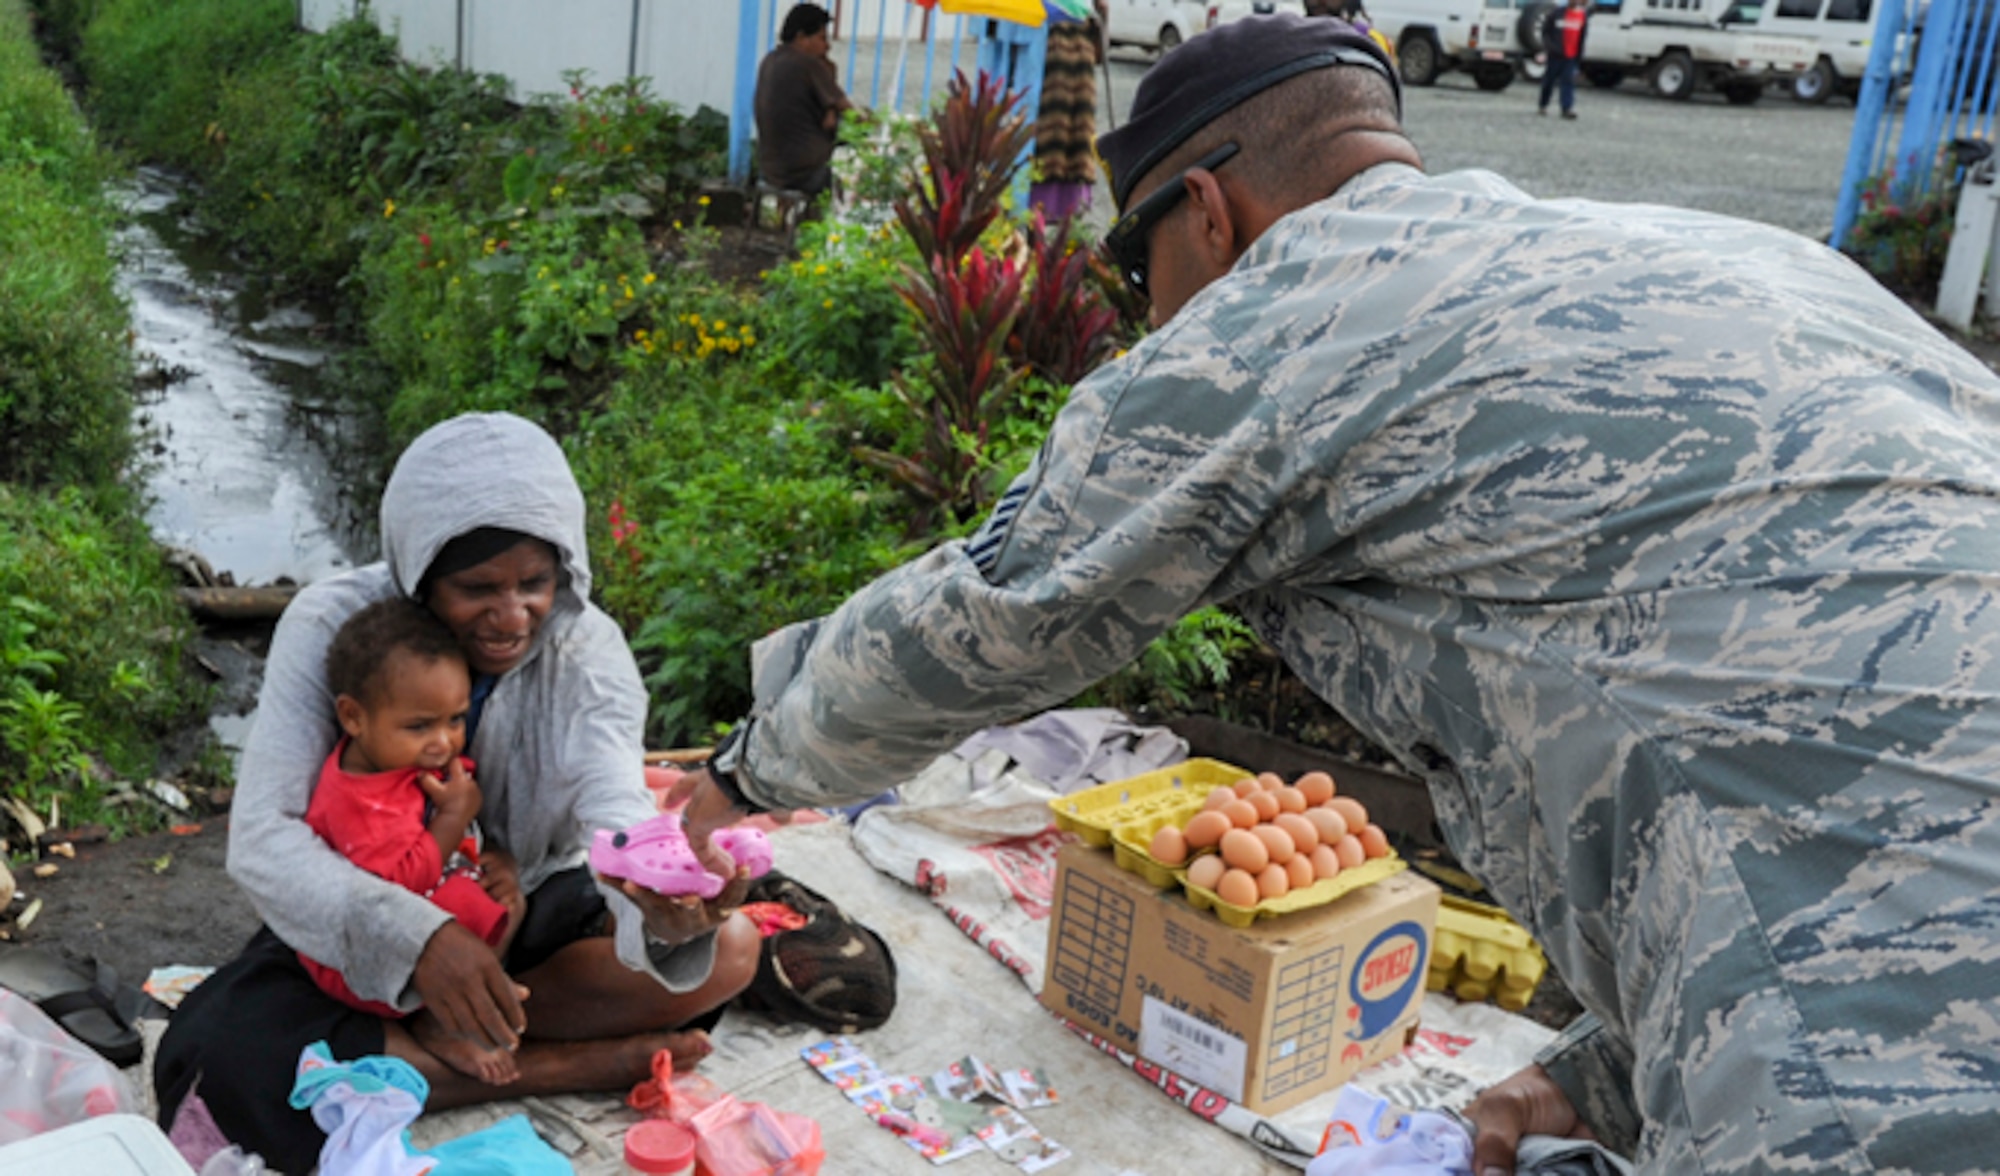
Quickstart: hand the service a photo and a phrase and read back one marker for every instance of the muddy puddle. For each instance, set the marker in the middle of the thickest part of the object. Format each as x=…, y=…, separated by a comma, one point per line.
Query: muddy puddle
x=242, y=440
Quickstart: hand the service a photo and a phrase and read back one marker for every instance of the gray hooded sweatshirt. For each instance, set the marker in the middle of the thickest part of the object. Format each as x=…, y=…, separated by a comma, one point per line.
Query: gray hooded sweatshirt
x=559, y=744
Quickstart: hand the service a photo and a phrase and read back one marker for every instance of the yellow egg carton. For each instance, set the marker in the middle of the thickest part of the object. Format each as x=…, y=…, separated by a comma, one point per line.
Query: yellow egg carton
x=1480, y=953
x=1318, y=894
x=1131, y=841
x=1095, y=813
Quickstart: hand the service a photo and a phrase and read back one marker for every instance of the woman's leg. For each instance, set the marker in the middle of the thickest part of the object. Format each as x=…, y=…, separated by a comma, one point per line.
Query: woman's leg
x=594, y=1024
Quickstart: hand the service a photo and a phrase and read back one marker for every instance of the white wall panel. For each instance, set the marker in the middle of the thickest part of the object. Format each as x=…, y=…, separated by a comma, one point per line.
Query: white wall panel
x=534, y=41
x=427, y=30
x=318, y=15
x=688, y=49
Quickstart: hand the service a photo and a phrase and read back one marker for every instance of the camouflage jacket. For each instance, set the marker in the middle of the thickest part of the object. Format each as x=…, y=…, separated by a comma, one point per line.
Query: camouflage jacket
x=1664, y=546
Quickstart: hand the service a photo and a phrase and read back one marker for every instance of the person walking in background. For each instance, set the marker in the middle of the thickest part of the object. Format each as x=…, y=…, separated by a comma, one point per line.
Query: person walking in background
x=1066, y=118
x=1563, y=32
x=799, y=103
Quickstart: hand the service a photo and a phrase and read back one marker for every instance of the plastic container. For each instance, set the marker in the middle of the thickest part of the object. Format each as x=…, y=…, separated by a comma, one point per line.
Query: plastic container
x=1479, y=952
x=658, y=1147
x=1318, y=894
x=109, y=1145
x=1093, y=813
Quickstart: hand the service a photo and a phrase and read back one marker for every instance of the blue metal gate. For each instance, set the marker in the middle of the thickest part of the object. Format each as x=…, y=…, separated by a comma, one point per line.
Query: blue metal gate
x=1931, y=79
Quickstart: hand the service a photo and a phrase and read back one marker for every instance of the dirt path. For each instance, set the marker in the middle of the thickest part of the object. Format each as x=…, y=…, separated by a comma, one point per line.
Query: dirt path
x=141, y=903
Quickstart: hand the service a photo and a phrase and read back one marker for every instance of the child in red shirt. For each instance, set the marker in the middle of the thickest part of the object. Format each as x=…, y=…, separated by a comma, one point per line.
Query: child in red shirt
x=397, y=799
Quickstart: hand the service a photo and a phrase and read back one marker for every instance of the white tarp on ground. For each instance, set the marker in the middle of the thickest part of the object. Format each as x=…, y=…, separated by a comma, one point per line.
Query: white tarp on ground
x=955, y=998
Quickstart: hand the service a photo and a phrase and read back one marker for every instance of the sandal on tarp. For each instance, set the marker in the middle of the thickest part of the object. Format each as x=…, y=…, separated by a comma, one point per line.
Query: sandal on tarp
x=833, y=973
x=86, y=1008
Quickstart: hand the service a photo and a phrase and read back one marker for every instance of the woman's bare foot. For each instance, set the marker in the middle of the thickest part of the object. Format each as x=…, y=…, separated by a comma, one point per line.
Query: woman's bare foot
x=494, y=1067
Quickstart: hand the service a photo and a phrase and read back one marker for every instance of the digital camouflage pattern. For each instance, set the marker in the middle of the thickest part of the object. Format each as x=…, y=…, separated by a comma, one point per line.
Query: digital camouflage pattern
x=1666, y=547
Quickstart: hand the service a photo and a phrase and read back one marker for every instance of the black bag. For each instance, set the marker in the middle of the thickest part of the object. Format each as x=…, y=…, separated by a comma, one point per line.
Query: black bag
x=833, y=973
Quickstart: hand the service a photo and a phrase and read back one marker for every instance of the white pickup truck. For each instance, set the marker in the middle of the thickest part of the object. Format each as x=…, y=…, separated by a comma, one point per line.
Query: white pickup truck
x=1482, y=37
x=1677, y=45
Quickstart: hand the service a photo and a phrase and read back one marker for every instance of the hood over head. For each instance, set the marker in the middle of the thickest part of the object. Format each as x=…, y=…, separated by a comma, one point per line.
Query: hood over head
x=487, y=469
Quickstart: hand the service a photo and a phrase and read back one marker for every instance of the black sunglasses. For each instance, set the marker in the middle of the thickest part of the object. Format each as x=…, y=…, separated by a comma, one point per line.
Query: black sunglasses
x=1126, y=244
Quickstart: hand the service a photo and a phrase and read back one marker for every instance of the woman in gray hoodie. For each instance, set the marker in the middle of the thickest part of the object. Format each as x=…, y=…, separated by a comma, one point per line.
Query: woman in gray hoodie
x=483, y=522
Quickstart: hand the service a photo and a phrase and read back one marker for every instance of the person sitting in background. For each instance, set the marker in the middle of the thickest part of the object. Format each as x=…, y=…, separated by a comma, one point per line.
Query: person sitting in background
x=799, y=103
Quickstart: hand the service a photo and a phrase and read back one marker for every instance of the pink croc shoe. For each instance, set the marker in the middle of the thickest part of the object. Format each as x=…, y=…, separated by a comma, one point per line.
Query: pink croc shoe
x=655, y=854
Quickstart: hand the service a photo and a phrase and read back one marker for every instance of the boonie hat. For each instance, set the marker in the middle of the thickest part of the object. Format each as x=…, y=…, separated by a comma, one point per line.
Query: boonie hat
x=1220, y=70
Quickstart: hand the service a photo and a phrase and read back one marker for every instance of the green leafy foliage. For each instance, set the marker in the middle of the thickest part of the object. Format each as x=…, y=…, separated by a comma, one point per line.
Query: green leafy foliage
x=1193, y=659
x=157, y=68
x=91, y=648
x=834, y=313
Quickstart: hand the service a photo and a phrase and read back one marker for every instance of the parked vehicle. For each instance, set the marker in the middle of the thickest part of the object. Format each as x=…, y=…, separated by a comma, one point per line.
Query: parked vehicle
x=1679, y=45
x=1154, y=24
x=1842, y=29
x=1482, y=37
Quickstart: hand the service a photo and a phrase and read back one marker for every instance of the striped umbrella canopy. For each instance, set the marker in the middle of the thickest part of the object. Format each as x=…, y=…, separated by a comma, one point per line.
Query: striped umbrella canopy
x=1033, y=13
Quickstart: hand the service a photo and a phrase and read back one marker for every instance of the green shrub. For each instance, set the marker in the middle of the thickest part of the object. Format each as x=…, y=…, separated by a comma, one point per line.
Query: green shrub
x=65, y=366
x=722, y=510
x=91, y=647
x=157, y=68
x=833, y=312
x=39, y=129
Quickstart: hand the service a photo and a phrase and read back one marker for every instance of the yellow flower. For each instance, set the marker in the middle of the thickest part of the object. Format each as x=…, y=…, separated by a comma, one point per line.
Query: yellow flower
x=388, y=209
x=627, y=148
x=819, y=270
x=649, y=279
x=556, y=191
x=720, y=325
x=703, y=202
x=828, y=304
x=491, y=245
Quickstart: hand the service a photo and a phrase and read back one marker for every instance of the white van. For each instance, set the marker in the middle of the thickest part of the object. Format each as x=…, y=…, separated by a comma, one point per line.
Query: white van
x=1481, y=37
x=1843, y=29
x=1679, y=45
x=1154, y=24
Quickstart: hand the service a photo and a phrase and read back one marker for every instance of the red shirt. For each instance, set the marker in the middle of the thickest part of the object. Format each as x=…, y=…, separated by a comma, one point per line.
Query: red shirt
x=1571, y=24
x=376, y=821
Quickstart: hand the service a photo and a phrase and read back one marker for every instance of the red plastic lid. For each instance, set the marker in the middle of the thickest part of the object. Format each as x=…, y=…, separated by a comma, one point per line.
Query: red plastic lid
x=657, y=1145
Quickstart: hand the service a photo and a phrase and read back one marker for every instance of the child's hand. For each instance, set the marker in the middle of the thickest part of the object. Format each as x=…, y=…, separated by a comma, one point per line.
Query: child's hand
x=456, y=795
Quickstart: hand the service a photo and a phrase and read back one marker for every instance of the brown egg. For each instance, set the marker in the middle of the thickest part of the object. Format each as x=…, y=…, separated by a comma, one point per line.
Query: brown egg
x=1374, y=842
x=1206, y=829
x=1217, y=797
x=1349, y=851
x=1317, y=787
x=1301, y=872
x=1266, y=804
x=1326, y=863
x=1351, y=809
x=1274, y=882
x=1270, y=781
x=1241, y=813
x=1169, y=846
x=1304, y=833
x=1245, y=786
x=1331, y=825
x=1237, y=888
x=1206, y=870
x=1244, y=851
x=1290, y=800
x=1277, y=843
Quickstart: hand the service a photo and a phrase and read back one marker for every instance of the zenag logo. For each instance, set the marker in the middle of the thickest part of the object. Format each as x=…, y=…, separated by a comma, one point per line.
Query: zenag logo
x=1389, y=970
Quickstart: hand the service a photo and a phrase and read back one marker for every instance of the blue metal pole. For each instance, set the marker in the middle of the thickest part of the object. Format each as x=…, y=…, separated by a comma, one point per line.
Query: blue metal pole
x=902, y=56
x=1871, y=114
x=1931, y=99
x=853, y=42
x=743, y=104
x=930, y=55
x=875, y=76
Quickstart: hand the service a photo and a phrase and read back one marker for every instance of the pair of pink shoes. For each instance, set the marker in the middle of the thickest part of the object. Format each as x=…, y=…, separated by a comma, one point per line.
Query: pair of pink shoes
x=655, y=854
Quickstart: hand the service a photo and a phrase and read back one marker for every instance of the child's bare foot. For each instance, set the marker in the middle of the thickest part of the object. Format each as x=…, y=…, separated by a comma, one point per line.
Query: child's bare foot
x=494, y=1067
x=688, y=1048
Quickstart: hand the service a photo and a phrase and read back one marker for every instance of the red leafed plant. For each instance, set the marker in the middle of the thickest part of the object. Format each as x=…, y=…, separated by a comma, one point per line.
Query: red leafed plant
x=1067, y=327
x=966, y=301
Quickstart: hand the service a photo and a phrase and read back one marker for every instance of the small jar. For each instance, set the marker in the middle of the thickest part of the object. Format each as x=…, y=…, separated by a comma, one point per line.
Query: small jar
x=657, y=1147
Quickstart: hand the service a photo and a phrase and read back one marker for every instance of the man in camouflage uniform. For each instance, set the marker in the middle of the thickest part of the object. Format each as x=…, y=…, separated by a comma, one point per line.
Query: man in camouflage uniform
x=1666, y=547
